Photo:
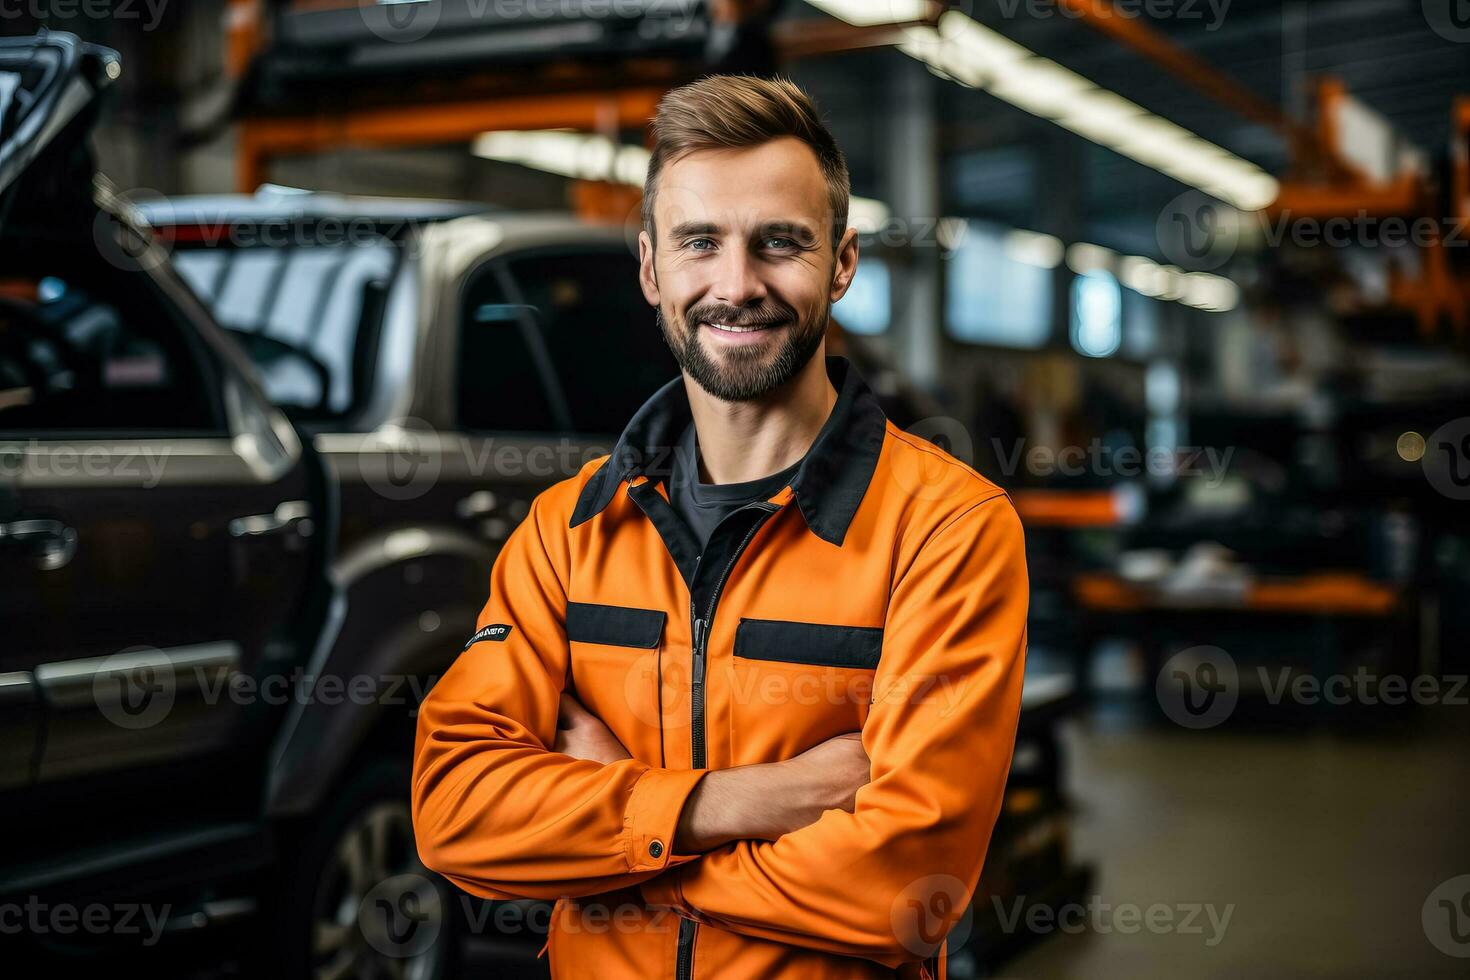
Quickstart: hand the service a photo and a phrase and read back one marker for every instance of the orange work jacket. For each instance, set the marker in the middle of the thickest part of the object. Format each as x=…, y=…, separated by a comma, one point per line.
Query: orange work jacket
x=883, y=591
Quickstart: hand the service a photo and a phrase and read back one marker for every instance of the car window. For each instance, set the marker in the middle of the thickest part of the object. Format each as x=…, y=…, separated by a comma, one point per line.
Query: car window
x=297, y=311
x=94, y=355
x=501, y=384
x=598, y=331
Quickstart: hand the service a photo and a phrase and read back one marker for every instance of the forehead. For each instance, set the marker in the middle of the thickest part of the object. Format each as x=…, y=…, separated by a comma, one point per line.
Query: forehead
x=738, y=188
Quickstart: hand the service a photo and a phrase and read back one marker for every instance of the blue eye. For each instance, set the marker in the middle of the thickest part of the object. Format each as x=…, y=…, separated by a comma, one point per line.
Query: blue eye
x=789, y=242
x=695, y=241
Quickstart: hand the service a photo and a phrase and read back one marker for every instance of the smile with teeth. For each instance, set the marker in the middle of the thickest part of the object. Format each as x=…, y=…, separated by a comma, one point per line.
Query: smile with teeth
x=734, y=328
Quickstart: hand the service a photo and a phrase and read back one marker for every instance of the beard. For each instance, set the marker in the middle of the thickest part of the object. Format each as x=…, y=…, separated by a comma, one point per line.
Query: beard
x=747, y=372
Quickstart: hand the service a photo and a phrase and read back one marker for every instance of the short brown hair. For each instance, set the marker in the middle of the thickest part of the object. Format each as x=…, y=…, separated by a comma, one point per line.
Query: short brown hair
x=723, y=111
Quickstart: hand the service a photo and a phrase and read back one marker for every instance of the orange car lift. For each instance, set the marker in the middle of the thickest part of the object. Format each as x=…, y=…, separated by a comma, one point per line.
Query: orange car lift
x=1333, y=593
x=608, y=110
x=1322, y=184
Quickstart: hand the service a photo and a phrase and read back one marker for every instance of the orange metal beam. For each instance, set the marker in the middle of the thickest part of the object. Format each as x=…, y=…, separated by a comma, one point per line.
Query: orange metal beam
x=244, y=34
x=1320, y=594
x=1067, y=508
x=821, y=36
x=1299, y=200
x=264, y=138
x=1204, y=77
x=598, y=200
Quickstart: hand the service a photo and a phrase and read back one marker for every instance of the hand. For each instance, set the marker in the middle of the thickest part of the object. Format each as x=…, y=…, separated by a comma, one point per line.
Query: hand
x=764, y=802
x=582, y=735
x=824, y=777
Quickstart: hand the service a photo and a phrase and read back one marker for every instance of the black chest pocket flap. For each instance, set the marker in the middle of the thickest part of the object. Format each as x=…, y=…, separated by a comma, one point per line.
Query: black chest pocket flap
x=818, y=644
x=619, y=626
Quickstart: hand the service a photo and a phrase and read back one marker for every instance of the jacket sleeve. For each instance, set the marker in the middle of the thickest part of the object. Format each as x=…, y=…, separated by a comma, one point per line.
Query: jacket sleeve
x=495, y=810
x=887, y=881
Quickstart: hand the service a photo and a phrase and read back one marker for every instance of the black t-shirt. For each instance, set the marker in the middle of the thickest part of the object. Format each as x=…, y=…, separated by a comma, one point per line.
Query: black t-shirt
x=704, y=505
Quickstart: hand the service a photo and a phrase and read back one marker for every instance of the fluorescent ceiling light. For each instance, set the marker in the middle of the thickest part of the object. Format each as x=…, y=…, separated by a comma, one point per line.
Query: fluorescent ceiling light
x=867, y=13
x=590, y=156
x=1201, y=290
x=972, y=54
x=1034, y=248
x=1083, y=258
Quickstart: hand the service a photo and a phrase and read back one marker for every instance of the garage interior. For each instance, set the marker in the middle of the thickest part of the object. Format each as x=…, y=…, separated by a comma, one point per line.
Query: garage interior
x=1190, y=280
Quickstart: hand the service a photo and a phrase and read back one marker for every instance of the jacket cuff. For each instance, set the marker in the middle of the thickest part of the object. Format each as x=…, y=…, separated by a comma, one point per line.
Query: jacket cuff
x=662, y=892
x=652, y=817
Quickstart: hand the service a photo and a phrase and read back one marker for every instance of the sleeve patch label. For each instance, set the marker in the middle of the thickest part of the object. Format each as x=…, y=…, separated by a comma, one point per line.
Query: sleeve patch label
x=495, y=631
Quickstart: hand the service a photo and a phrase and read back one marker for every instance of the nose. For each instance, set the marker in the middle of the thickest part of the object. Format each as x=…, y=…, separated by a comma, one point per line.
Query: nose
x=737, y=279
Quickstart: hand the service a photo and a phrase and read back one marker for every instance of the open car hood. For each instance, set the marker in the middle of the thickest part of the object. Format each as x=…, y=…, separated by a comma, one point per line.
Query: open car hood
x=47, y=82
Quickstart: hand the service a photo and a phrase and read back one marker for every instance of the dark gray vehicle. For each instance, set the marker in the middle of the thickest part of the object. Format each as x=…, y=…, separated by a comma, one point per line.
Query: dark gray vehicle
x=172, y=591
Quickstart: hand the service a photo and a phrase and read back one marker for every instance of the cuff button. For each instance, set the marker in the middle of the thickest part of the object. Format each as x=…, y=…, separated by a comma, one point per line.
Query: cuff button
x=656, y=849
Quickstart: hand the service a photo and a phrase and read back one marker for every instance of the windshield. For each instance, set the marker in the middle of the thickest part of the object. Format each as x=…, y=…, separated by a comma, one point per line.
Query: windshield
x=300, y=315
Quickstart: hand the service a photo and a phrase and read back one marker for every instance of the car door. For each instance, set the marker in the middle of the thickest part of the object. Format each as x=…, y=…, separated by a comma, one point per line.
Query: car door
x=157, y=549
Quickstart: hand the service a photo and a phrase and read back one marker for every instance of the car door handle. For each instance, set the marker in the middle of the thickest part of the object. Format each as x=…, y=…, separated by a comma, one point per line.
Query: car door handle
x=288, y=515
x=52, y=544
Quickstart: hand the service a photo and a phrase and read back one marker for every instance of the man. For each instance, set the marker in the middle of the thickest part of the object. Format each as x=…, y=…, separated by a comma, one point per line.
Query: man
x=744, y=694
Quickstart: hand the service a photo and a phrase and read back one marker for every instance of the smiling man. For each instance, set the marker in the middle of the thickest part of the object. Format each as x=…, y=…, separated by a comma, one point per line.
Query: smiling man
x=743, y=697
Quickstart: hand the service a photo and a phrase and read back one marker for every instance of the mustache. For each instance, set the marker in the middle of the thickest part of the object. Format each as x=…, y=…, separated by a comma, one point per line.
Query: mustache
x=737, y=317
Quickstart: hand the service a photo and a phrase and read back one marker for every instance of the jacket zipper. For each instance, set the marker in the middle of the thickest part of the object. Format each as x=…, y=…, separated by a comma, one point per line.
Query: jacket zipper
x=684, y=969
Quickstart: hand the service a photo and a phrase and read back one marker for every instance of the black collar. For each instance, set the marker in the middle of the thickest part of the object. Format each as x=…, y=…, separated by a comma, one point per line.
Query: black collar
x=829, y=484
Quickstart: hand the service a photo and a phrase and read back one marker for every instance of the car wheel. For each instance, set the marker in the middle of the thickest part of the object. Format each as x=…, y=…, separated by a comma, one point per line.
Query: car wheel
x=357, y=904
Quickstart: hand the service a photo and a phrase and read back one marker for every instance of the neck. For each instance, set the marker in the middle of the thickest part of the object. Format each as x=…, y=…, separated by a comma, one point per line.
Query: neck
x=743, y=441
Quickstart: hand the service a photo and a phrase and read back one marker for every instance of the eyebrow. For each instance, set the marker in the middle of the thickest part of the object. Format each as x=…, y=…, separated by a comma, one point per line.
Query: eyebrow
x=794, y=229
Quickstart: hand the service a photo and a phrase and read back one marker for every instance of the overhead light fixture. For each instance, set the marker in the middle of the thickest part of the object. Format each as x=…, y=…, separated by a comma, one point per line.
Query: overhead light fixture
x=590, y=156
x=1201, y=290
x=962, y=49
x=1034, y=248
x=1084, y=257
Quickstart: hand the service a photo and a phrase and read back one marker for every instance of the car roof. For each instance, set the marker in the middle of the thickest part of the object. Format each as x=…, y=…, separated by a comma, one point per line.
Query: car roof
x=274, y=202
x=510, y=228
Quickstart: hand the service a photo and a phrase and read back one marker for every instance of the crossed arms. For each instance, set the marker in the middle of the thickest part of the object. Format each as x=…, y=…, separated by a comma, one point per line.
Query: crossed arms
x=519, y=792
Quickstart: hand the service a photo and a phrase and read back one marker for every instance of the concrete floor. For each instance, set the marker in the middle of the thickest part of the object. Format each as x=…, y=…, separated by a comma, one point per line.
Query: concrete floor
x=1322, y=845
x=1327, y=844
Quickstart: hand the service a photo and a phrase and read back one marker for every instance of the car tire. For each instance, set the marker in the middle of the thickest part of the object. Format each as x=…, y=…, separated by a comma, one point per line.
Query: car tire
x=354, y=902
